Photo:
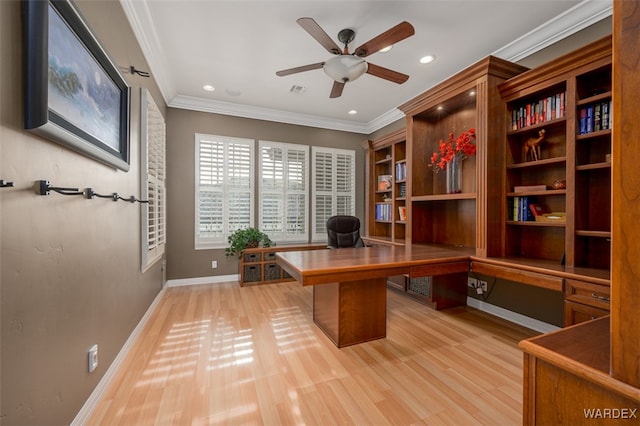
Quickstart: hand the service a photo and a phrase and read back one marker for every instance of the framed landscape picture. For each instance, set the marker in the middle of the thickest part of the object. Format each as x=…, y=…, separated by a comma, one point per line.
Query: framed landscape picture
x=74, y=94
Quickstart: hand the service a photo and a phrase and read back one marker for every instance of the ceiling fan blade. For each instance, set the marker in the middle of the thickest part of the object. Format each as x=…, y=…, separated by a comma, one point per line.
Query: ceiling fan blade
x=300, y=69
x=336, y=90
x=318, y=33
x=391, y=36
x=386, y=73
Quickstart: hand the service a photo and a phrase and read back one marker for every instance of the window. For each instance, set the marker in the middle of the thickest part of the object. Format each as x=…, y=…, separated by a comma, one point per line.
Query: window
x=333, y=187
x=284, y=180
x=153, y=176
x=224, y=188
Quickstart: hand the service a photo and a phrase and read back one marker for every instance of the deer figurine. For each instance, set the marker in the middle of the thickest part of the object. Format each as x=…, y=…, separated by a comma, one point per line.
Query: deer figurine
x=532, y=145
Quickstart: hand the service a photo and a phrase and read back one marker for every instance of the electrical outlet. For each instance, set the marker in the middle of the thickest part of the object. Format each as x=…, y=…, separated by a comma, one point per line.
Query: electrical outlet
x=214, y=264
x=483, y=285
x=472, y=282
x=93, y=358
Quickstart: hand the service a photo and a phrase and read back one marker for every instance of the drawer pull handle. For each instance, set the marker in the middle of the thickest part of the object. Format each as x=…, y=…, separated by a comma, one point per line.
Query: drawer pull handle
x=603, y=298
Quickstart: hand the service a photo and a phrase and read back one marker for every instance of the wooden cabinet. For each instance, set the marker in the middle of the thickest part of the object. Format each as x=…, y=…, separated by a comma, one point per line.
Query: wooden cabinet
x=259, y=266
x=585, y=301
x=566, y=104
x=386, y=219
x=469, y=99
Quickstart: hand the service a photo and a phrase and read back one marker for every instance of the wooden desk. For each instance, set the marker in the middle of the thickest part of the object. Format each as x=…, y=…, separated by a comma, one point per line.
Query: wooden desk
x=349, y=293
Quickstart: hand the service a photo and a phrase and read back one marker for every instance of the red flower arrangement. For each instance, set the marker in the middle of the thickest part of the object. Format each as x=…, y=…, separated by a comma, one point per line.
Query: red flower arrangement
x=461, y=146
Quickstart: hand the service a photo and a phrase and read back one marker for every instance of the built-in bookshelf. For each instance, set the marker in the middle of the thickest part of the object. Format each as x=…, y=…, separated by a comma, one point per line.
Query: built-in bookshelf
x=573, y=168
x=387, y=188
x=464, y=101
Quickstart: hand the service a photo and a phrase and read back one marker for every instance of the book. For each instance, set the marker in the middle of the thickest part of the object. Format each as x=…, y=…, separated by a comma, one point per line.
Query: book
x=536, y=209
x=384, y=183
x=402, y=213
x=527, y=188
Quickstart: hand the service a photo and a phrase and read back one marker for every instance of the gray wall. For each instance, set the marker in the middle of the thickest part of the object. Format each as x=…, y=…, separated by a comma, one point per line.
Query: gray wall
x=183, y=261
x=70, y=272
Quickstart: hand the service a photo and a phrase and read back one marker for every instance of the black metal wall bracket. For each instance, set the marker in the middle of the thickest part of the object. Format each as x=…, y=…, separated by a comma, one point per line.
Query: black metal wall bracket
x=44, y=187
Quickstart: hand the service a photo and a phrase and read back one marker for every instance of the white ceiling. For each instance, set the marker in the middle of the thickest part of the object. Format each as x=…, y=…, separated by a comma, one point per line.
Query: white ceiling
x=237, y=47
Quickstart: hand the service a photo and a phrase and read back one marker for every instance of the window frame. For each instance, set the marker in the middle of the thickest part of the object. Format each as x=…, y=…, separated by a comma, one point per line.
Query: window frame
x=286, y=191
x=321, y=236
x=206, y=243
x=153, y=214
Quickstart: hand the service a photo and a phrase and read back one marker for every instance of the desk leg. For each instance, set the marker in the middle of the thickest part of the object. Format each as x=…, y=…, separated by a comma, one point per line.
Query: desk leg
x=351, y=312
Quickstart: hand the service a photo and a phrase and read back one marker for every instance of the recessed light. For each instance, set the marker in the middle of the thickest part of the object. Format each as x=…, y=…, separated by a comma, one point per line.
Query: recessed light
x=386, y=49
x=440, y=108
x=427, y=59
x=208, y=88
x=472, y=93
x=353, y=112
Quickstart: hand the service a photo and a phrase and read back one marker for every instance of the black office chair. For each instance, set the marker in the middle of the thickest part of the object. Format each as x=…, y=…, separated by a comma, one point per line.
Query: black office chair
x=343, y=231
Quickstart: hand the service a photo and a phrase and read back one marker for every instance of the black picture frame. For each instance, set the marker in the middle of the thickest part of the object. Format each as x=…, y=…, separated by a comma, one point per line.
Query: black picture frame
x=74, y=94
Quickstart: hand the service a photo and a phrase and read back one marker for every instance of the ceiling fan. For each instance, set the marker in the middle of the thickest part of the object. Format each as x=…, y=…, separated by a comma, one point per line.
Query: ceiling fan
x=345, y=66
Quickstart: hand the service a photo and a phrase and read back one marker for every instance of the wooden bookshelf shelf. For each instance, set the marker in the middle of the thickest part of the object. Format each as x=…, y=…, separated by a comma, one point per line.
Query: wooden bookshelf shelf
x=594, y=166
x=539, y=163
x=537, y=193
x=596, y=98
x=595, y=234
x=560, y=224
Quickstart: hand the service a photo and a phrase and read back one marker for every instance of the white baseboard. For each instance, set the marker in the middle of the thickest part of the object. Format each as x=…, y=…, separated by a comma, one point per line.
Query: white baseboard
x=99, y=391
x=514, y=317
x=203, y=280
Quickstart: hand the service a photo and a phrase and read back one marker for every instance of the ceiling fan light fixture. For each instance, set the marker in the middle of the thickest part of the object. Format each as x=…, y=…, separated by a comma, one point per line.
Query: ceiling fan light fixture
x=345, y=68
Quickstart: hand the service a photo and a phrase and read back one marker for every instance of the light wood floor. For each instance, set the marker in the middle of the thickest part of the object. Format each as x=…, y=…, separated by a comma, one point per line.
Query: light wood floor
x=222, y=354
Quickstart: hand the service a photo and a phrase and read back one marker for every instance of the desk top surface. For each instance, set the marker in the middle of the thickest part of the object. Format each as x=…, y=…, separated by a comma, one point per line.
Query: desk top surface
x=321, y=266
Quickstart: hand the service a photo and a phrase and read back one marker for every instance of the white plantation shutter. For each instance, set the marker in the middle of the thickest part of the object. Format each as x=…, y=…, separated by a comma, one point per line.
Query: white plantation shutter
x=153, y=169
x=283, y=191
x=333, y=187
x=224, y=188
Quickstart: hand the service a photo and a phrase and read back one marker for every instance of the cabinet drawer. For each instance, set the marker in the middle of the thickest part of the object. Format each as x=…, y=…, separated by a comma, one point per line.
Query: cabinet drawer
x=251, y=274
x=586, y=293
x=252, y=257
x=271, y=272
x=518, y=275
x=575, y=313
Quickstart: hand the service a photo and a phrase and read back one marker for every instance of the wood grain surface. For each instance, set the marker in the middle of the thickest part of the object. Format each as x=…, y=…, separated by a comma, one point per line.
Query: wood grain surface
x=225, y=354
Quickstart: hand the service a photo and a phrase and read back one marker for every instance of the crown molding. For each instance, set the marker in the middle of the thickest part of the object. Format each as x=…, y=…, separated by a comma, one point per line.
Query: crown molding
x=562, y=26
x=137, y=12
x=260, y=113
x=579, y=17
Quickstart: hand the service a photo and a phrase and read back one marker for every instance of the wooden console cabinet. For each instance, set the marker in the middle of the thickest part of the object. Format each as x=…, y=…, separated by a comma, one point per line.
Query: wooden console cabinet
x=258, y=265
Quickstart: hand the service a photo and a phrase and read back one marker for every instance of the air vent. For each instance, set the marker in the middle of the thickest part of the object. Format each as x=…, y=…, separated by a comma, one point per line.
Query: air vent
x=297, y=90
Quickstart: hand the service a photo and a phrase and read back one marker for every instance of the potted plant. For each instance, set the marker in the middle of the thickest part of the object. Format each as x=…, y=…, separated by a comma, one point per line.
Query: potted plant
x=246, y=238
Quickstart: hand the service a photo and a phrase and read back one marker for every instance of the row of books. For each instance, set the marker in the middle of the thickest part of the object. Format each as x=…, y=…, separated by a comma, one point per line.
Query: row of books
x=540, y=111
x=384, y=212
x=596, y=117
x=523, y=209
x=401, y=171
